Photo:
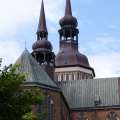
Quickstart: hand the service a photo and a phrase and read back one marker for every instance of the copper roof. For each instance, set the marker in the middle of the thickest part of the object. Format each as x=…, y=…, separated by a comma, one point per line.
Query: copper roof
x=42, y=21
x=68, y=19
x=69, y=56
x=42, y=34
x=68, y=10
x=42, y=45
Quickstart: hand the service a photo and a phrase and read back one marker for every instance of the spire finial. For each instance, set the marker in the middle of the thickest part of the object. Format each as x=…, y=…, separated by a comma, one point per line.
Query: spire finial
x=42, y=20
x=68, y=9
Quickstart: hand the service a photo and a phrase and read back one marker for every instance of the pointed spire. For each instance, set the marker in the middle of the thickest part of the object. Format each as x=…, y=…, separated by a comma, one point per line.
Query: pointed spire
x=42, y=20
x=68, y=19
x=68, y=9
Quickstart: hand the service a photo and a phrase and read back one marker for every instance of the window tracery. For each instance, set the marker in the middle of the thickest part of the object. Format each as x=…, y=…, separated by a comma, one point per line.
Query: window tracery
x=82, y=117
x=112, y=116
x=48, y=105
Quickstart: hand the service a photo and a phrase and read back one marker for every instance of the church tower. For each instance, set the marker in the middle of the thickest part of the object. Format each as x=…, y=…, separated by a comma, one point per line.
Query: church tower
x=70, y=63
x=42, y=48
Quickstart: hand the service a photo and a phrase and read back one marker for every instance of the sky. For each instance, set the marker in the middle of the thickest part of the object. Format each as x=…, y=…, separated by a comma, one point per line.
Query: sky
x=99, y=26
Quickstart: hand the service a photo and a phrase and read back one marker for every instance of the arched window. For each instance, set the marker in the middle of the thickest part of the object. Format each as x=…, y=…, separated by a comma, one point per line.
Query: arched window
x=82, y=117
x=112, y=116
x=50, y=108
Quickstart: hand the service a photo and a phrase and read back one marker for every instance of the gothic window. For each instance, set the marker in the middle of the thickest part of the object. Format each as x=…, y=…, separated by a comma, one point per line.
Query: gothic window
x=82, y=117
x=112, y=116
x=48, y=105
x=50, y=109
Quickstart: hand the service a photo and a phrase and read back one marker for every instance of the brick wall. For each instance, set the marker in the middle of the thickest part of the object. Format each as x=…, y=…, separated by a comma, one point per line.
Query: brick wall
x=94, y=115
x=61, y=112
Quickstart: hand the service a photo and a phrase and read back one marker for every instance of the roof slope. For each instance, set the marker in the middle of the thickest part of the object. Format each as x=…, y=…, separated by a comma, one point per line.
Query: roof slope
x=83, y=93
x=33, y=71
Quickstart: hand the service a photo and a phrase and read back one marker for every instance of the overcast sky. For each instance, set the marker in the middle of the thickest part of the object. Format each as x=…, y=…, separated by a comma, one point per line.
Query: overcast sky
x=99, y=25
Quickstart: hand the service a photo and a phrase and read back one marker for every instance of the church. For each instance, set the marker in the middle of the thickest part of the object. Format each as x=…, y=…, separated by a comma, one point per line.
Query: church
x=67, y=79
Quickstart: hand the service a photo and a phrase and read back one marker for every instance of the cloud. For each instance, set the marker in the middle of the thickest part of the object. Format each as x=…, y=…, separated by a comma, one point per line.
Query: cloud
x=104, y=56
x=17, y=13
x=107, y=43
x=54, y=10
x=9, y=51
x=13, y=13
x=106, y=64
x=102, y=44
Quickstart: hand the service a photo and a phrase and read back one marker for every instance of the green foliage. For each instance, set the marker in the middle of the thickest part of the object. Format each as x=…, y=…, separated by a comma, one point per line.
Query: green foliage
x=15, y=100
x=30, y=116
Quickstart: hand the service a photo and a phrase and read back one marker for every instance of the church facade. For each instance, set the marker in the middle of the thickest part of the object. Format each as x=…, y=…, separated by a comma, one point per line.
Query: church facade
x=67, y=79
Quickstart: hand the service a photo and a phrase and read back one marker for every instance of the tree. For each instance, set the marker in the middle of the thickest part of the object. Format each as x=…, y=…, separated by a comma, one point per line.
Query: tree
x=15, y=100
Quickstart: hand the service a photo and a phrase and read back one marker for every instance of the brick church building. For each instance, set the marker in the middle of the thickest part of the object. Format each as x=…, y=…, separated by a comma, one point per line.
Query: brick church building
x=67, y=79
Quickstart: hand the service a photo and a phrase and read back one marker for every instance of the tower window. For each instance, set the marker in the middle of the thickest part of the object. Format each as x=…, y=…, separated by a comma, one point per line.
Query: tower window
x=112, y=116
x=41, y=58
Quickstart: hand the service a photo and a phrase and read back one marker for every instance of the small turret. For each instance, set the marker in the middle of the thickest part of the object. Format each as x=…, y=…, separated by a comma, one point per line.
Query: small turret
x=42, y=48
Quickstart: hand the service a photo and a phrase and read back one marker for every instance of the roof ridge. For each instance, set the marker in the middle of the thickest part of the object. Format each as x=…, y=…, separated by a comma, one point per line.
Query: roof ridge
x=38, y=75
